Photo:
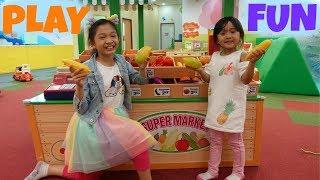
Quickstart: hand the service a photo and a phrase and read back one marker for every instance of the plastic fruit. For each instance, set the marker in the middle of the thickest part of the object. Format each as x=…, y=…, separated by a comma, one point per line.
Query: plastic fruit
x=192, y=62
x=168, y=61
x=196, y=79
x=182, y=145
x=204, y=59
x=179, y=64
x=185, y=78
x=131, y=60
x=143, y=54
x=158, y=80
x=134, y=64
x=74, y=65
x=264, y=45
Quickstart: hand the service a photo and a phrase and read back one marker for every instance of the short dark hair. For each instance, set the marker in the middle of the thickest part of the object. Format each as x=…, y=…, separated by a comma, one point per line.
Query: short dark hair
x=93, y=28
x=222, y=23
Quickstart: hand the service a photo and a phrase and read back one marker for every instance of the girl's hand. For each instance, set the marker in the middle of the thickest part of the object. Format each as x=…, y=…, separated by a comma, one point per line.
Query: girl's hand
x=143, y=65
x=142, y=69
x=78, y=76
x=256, y=55
x=197, y=70
x=205, y=76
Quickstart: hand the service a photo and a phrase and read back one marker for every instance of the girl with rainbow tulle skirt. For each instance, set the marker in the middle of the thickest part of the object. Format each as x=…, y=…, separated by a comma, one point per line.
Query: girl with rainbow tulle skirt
x=100, y=134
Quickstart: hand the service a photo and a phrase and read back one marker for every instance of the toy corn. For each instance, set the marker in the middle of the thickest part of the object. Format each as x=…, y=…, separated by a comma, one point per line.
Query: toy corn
x=74, y=65
x=143, y=54
x=264, y=45
x=192, y=62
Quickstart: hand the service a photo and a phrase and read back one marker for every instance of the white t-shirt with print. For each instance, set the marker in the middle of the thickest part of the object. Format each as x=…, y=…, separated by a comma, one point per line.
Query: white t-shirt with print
x=113, y=85
x=227, y=94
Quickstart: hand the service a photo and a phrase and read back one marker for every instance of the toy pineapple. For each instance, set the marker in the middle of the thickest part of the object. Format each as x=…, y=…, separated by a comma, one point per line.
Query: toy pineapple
x=229, y=108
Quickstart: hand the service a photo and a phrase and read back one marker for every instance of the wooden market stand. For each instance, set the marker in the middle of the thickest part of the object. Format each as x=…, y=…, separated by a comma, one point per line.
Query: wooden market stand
x=152, y=103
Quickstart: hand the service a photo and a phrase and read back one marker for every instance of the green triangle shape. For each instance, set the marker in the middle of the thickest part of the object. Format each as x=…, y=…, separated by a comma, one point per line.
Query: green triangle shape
x=283, y=69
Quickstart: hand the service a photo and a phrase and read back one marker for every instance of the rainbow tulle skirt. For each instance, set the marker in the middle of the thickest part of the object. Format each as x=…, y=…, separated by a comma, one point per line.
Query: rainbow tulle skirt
x=112, y=140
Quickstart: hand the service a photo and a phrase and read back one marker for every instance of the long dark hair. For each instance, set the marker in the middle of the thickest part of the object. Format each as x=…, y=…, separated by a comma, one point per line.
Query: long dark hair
x=222, y=23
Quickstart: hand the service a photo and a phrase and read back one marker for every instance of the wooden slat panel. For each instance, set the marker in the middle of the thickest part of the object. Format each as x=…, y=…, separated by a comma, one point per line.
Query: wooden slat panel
x=249, y=125
x=249, y=134
x=52, y=127
x=54, y=108
x=35, y=133
x=251, y=114
x=51, y=160
x=250, y=120
x=50, y=138
x=251, y=105
x=53, y=117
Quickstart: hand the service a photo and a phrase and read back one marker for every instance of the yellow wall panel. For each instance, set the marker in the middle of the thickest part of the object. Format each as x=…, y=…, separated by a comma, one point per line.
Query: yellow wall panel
x=38, y=57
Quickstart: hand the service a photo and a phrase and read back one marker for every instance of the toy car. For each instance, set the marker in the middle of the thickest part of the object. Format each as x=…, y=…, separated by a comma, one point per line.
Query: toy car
x=22, y=73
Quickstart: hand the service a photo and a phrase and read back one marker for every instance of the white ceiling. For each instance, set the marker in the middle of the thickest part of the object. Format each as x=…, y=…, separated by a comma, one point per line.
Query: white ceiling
x=168, y=2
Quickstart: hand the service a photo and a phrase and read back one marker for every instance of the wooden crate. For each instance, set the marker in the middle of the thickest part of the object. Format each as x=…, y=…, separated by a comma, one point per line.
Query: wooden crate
x=169, y=90
x=186, y=53
x=178, y=90
x=170, y=72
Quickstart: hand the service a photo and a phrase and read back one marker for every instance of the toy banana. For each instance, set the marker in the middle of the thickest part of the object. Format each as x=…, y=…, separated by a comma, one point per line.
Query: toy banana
x=74, y=65
x=143, y=54
x=264, y=45
x=192, y=62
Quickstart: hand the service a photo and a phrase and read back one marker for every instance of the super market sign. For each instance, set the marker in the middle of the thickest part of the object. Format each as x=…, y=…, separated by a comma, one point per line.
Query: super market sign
x=177, y=131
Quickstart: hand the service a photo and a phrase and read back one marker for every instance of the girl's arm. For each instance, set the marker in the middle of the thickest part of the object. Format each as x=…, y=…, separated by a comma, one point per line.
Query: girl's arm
x=247, y=76
x=81, y=99
x=135, y=76
x=205, y=76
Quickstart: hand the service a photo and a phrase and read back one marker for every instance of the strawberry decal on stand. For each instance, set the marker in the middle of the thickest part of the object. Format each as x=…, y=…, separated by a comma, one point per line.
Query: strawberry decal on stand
x=182, y=145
